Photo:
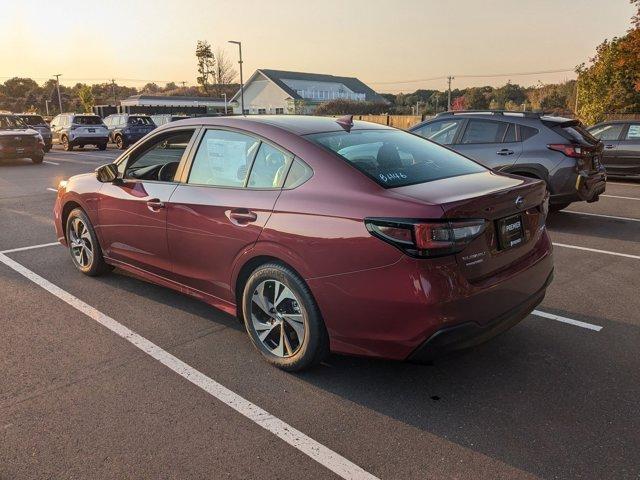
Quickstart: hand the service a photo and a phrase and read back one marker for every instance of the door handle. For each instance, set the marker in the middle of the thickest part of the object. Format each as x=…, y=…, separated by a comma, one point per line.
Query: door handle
x=505, y=151
x=243, y=215
x=155, y=204
x=609, y=146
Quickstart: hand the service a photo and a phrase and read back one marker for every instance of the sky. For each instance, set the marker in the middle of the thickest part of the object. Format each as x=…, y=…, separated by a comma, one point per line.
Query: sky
x=385, y=43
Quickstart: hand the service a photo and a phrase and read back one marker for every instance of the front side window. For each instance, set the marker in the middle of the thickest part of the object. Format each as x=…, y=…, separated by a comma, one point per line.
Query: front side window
x=484, y=131
x=269, y=168
x=443, y=132
x=140, y=121
x=607, y=132
x=158, y=158
x=223, y=159
x=634, y=132
x=394, y=158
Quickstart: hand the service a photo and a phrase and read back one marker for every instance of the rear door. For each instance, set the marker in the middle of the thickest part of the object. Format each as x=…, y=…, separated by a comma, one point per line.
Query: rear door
x=228, y=192
x=490, y=142
x=628, y=156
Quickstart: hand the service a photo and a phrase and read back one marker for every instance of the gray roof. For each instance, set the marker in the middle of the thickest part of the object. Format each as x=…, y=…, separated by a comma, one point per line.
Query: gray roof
x=352, y=83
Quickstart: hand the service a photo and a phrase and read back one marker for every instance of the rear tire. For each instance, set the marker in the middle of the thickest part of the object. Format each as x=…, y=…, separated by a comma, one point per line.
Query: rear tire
x=102, y=146
x=84, y=247
x=37, y=159
x=282, y=318
x=558, y=206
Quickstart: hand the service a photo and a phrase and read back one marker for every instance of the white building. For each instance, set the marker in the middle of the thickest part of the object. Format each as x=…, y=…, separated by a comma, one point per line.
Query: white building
x=281, y=92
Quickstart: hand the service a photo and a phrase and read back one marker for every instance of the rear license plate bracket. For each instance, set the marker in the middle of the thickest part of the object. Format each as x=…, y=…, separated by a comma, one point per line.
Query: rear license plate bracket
x=510, y=232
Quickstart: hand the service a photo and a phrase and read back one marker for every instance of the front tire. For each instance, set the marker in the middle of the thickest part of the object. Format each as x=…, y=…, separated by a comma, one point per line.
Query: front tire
x=120, y=142
x=102, y=146
x=66, y=144
x=84, y=247
x=38, y=159
x=282, y=318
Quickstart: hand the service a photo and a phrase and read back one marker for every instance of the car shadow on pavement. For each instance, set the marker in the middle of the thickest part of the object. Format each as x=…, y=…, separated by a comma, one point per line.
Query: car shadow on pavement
x=550, y=401
x=594, y=226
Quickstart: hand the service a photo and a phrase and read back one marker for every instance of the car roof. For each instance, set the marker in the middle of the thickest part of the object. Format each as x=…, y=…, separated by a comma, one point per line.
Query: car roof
x=523, y=118
x=297, y=124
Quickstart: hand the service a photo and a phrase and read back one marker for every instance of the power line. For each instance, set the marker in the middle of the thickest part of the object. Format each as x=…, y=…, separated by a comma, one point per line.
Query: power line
x=489, y=75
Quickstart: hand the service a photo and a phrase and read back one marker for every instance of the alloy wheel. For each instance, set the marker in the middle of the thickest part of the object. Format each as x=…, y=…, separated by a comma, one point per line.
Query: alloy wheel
x=277, y=318
x=80, y=243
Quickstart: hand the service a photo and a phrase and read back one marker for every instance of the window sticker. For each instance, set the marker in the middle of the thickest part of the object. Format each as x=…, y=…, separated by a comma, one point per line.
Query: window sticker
x=226, y=158
x=391, y=176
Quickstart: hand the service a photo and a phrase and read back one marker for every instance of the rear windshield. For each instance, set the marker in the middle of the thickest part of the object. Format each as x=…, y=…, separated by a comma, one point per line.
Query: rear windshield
x=140, y=121
x=394, y=158
x=32, y=119
x=87, y=120
x=10, y=122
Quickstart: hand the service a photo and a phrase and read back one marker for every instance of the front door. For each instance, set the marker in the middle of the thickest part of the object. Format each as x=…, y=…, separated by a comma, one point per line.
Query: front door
x=132, y=211
x=628, y=156
x=219, y=212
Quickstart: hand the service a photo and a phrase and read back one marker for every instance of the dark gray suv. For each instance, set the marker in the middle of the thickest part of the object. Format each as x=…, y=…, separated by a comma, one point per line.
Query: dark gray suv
x=558, y=150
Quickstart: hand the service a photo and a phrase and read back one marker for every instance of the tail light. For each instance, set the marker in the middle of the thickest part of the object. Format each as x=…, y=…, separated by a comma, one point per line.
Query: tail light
x=425, y=239
x=573, y=151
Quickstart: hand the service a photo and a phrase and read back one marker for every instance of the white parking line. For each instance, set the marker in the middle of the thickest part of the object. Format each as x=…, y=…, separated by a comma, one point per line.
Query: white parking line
x=571, y=321
x=31, y=247
x=596, y=250
x=617, y=196
x=318, y=452
x=50, y=163
x=603, y=216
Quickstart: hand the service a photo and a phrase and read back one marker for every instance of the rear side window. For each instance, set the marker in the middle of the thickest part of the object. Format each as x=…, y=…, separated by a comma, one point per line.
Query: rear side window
x=634, y=132
x=607, y=132
x=443, y=132
x=299, y=173
x=576, y=133
x=33, y=120
x=269, y=168
x=527, y=132
x=223, y=159
x=484, y=131
x=394, y=158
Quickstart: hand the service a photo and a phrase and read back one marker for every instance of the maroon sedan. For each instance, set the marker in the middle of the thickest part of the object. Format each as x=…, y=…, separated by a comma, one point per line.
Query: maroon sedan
x=319, y=234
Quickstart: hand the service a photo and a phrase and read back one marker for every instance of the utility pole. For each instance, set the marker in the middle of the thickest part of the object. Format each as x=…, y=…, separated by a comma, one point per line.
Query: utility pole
x=58, y=88
x=225, y=103
x=46, y=106
x=113, y=91
x=241, y=80
x=576, y=109
x=449, y=78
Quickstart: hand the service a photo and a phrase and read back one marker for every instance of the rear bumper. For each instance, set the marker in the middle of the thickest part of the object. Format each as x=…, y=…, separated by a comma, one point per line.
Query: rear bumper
x=27, y=153
x=88, y=140
x=470, y=334
x=390, y=311
x=586, y=187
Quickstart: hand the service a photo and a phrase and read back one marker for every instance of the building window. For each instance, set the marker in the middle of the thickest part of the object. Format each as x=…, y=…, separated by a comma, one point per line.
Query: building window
x=279, y=111
x=246, y=111
x=262, y=111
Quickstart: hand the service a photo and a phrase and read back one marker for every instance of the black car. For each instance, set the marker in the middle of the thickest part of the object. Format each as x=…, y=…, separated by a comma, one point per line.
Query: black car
x=558, y=150
x=17, y=140
x=36, y=122
x=126, y=129
x=621, y=146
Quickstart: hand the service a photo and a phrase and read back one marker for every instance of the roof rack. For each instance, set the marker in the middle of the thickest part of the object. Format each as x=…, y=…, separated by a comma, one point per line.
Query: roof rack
x=492, y=112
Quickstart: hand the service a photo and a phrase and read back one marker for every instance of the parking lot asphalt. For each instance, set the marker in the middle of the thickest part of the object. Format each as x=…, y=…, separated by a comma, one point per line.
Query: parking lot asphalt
x=547, y=399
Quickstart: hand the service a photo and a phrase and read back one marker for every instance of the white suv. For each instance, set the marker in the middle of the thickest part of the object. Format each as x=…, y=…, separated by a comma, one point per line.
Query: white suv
x=79, y=129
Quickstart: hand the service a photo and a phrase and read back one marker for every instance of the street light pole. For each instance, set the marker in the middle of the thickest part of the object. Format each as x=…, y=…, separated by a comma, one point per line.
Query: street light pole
x=241, y=80
x=225, y=103
x=449, y=78
x=46, y=105
x=58, y=88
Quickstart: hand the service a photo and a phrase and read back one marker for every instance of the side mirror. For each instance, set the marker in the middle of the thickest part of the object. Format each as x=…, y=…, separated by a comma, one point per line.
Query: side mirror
x=107, y=173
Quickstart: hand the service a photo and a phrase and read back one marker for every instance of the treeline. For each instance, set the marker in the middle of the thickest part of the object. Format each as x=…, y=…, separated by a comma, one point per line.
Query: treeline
x=26, y=95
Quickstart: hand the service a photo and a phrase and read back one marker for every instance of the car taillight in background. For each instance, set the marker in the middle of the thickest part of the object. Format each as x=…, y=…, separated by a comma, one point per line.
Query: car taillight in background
x=426, y=239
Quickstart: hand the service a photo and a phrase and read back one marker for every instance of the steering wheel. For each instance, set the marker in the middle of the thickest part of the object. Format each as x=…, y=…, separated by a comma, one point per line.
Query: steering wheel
x=168, y=171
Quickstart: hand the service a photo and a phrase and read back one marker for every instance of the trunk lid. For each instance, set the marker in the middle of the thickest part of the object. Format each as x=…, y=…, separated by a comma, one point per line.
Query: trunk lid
x=508, y=204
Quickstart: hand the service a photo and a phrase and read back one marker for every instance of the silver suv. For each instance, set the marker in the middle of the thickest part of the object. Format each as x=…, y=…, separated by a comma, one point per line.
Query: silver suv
x=79, y=129
x=558, y=150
